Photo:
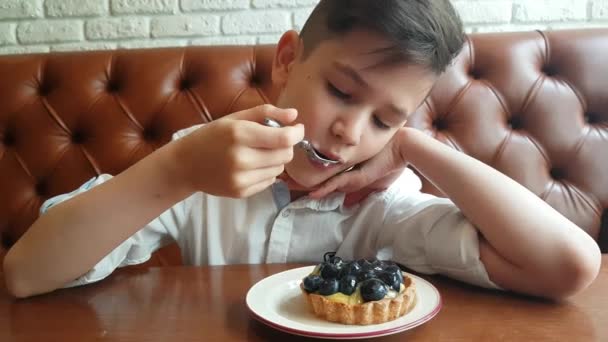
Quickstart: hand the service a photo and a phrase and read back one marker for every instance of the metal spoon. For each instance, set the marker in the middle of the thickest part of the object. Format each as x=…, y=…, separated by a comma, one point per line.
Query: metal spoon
x=304, y=144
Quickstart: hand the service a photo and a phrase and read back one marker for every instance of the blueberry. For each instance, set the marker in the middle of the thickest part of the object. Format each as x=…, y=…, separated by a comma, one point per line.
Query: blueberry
x=330, y=271
x=336, y=260
x=312, y=283
x=331, y=258
x=365, y=265
x=364, y=275
x=352, y=268
x=329, y=287
x=379, y=265
x=396, y=270
x=348, y=284
x=373, y=289
x=389, y=263
x=390, y=279
x=393, y=268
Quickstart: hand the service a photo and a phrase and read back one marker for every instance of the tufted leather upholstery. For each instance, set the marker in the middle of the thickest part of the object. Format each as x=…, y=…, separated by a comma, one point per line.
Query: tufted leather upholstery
x=534, y=105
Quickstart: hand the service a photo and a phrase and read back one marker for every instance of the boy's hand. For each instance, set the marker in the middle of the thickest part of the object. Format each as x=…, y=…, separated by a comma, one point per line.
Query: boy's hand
x=375, y=174
x=237, y=156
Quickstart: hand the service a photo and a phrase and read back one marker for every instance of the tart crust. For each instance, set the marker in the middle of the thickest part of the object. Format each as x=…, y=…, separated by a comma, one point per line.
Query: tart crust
x=373, y=312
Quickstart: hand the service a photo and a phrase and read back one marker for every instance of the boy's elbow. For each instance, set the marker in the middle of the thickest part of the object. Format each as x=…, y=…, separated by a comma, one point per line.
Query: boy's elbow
x=14, y=280
x=16, y=290
x=575, y=273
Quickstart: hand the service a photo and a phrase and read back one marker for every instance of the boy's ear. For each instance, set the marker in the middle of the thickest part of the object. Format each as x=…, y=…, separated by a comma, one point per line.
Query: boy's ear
x=285, y=56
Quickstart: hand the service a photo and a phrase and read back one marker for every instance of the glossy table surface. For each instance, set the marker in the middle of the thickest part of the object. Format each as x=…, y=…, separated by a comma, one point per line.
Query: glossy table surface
x=208, y=304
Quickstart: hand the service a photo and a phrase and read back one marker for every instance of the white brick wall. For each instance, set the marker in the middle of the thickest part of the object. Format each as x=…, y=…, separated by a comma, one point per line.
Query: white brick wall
x=64, y=25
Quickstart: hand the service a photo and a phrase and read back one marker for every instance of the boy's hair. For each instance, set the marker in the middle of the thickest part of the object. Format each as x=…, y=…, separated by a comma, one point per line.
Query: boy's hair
x=428, y=33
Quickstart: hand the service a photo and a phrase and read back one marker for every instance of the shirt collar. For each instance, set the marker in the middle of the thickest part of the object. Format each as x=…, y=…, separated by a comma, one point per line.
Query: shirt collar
x=282, y=199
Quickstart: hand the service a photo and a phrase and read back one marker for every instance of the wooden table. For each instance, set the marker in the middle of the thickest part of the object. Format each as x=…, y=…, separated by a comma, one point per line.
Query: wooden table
x=208, y=303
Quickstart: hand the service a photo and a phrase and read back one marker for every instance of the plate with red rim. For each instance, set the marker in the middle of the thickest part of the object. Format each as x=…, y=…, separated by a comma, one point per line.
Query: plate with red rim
x=277, y=301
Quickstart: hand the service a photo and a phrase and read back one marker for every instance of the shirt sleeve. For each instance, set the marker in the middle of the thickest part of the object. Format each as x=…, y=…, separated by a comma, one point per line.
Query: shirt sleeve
x=431, y=235
x=136, y=249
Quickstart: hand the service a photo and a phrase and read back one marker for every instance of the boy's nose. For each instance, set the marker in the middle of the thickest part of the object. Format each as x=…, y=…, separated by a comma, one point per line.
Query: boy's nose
x=349, y=129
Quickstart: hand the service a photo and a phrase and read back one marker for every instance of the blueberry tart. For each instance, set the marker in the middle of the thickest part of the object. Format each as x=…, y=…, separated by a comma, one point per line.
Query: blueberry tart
x=358, y=292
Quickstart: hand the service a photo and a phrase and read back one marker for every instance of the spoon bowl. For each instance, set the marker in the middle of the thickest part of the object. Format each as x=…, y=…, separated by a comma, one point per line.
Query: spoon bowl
x=305, y=145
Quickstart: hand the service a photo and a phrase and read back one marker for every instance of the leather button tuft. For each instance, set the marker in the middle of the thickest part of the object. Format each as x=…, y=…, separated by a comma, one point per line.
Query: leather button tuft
x=440, y=124
x=9, y=139
x=475, y=74
x=41, y=188
x=549, y=70
x=150, y=134
x=255, y=81
x=7, y=241
x=516, y=122
x=78, y=137
x=44, y=89
x=185, y=84
x=593, y=118
x=112, y=86
x=557, y=173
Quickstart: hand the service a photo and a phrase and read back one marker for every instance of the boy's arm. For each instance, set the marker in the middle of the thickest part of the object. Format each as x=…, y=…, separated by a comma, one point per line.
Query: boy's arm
x=525, y=245
x=219, y=159
x=74, y=235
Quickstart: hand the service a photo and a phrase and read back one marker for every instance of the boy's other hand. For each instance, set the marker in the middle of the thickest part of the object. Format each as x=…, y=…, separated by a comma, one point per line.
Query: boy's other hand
x=375, y=174
x=237, y=156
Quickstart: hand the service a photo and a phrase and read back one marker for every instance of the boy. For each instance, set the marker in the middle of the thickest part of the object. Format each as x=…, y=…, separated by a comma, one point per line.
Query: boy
x=355, y=72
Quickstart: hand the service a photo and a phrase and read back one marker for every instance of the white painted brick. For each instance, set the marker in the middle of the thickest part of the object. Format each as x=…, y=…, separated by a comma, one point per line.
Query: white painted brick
x=549, y=10
x=115, y=28
x=7, y=34
x=507, y=28
x=269, y=39
x=75, y=8
x=83, y=46
x=300, y=16
x=230, y=40
x=476, y=12
x=198, y=5
x=256, y=22
x=143, y=6
x=54, y=31
x=156, y=43
x=18, y=50
x=167, y=23
x=566, y=26
x=283, y=3
x=599, y=9
x=185, y=26
x=16, y=9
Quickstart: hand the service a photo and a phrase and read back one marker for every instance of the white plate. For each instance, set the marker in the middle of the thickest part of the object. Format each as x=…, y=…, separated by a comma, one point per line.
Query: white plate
x=277, y=301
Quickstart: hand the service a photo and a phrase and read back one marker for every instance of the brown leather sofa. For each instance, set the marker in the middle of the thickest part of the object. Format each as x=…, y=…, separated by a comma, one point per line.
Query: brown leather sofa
x=533, y=105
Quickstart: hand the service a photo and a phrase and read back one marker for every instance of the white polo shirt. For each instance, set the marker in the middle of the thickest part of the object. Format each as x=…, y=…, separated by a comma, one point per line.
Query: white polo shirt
x=423, y=232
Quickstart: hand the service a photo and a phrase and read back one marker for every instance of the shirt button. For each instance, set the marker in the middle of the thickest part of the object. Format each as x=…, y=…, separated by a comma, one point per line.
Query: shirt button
x=285, y=213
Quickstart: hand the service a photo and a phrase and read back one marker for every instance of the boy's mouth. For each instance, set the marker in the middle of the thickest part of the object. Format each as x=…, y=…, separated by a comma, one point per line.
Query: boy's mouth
x=323, y=161
x=327, y=155
x=323, y=155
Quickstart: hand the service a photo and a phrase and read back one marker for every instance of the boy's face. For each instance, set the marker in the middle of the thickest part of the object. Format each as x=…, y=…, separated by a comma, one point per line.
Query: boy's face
x=351, y=104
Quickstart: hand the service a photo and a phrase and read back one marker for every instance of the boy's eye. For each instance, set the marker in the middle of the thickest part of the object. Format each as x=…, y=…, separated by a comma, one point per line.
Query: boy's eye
x=380, y=124
x=337, y=92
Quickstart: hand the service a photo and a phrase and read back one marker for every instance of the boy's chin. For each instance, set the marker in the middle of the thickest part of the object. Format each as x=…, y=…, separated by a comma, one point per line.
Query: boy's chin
x=300, y=182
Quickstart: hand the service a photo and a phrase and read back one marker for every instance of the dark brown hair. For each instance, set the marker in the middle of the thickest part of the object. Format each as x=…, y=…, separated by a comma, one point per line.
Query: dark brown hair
x=425, y=32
